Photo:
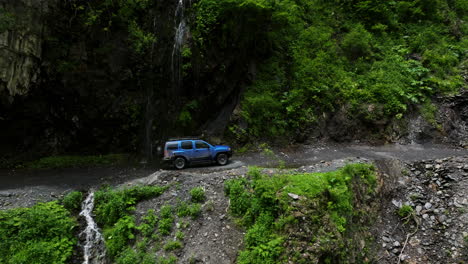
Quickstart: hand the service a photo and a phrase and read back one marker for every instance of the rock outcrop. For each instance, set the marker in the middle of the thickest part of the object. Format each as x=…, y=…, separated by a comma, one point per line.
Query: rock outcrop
x=21, y=45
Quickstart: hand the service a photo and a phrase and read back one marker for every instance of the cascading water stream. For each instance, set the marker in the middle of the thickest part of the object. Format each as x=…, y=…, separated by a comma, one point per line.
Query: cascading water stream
x=181, y=28
x=94, y=250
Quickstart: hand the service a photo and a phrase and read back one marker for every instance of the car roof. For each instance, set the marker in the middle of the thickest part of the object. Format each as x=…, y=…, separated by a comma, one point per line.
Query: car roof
x=179, y=140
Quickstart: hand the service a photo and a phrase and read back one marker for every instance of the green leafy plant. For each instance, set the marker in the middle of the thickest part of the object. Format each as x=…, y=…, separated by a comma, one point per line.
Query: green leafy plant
x=195, y=210
x=40, y=234
x=118, y=236
x=180, y=235
x=149, y=223
x=197, y=194
x=166, y=220
x=72, y=201
x=405, y=211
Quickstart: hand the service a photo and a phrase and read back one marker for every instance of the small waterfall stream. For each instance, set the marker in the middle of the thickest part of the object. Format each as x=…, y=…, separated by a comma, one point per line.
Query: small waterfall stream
x=181, y=29
x=94, y=250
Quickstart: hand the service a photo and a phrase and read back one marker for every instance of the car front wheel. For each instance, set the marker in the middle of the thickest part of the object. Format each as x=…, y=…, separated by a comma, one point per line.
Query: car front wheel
x=179, y=163
x=222, y=159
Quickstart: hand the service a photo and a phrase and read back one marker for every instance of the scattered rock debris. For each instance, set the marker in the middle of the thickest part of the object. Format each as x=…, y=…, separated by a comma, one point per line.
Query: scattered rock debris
x=437, y=230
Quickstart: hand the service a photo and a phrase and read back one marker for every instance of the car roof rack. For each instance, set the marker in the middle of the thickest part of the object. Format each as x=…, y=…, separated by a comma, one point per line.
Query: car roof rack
x=183, y=138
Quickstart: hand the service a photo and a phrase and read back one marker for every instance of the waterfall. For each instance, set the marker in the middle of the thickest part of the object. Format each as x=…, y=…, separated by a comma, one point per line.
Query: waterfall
x=94, y=250
x=180, y=30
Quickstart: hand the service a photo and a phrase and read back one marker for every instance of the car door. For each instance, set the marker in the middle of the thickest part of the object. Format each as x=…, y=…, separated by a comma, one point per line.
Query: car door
x=187, y=150
x=202, y=151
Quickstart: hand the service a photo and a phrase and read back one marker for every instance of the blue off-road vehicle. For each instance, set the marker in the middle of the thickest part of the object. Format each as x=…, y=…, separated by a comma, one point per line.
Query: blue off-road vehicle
x=185, y=152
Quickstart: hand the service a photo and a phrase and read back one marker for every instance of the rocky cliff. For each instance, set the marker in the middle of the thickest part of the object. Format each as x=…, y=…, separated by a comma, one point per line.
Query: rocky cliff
x=21, y=45
x=75, y=81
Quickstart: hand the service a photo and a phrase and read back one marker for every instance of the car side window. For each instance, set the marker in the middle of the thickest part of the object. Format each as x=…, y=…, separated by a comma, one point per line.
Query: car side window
x=201, y=145
x=172, y=146
x=187, y=145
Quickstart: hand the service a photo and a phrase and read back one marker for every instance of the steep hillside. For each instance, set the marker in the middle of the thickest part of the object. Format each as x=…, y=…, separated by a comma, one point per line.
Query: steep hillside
x=120, y=76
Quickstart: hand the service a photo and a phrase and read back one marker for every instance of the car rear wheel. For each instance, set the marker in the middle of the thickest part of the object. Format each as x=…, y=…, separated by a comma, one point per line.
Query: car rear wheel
x=179, y=163
x=222, y=159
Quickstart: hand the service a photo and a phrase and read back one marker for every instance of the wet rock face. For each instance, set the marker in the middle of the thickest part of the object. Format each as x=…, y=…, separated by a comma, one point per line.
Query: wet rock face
x=437, y=229
x=454, y=118
x=21, y=45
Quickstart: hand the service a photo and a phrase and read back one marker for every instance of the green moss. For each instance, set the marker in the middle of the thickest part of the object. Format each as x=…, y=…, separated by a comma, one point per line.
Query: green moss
x=428, y=112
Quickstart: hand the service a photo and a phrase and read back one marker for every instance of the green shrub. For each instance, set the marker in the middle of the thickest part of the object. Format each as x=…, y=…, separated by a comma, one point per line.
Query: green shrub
x=166, y=211
x=165, y=226
x=183, y=209
x=72, y=201
x=197, y=194
x=172, y=245
x=40, y=234
x=195, y=210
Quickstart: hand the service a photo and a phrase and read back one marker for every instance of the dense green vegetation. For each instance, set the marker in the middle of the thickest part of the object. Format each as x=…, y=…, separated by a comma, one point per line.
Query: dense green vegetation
x=72, y=201
x=43, y=233
x=113, y=210
x=133, y=239
x=303, y=218
x=370, y=59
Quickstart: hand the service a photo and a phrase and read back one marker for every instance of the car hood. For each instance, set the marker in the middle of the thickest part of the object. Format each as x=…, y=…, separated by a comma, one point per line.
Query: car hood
x=222, y=147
